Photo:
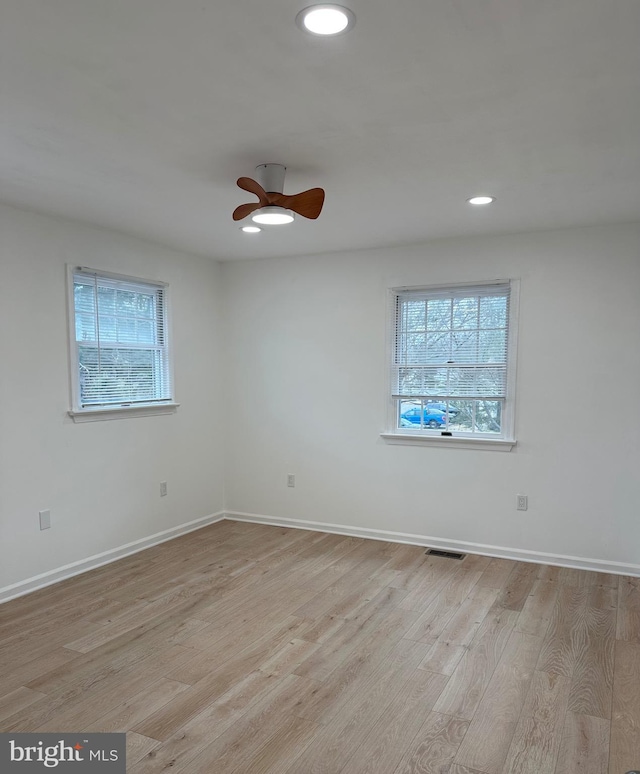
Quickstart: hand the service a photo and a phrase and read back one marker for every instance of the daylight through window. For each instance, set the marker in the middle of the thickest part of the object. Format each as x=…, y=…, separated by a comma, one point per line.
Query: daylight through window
x=121, y=348
x=450, y=368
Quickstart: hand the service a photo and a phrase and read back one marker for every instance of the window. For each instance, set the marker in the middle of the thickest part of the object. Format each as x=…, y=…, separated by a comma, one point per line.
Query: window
x=453, y=361
x=120, y=358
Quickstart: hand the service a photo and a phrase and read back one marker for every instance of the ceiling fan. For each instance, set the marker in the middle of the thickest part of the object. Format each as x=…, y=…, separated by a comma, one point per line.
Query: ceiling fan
x=274, y=207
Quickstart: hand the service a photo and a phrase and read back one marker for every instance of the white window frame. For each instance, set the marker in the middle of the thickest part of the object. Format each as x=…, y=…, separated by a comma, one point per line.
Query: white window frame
x=407, y=436
x=89, y=413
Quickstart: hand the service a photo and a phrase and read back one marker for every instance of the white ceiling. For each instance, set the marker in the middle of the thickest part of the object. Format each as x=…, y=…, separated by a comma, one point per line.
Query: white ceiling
x=139, y=115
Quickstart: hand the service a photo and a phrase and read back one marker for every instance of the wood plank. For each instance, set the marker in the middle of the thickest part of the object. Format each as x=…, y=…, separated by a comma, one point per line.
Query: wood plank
x=445, y=604
x=496, y=573
x=456, y=768
x=435, y=576
x=592, y=679
x=80, y=707
x=565, y=639
x=475, y=669
x=134, y=710
x=84, y=700
x=536, y=740
x=16, y=675
x=443, y=657
x=518, y=586
x=487, y=741
x=547, y=572
x=167, y=720
x=585, y=745
x=396, y=728
x=357, y=711
x=538, y=608
x=628, y=611
x=410, y=561
x=379, y=630
x=138, y=746
x=291, y=737
x=465, y=622
x=364, y=671
x=232, y=750
x=17, y=700
x=476, y=562
x=217, y=717
x=268, y=635
x=434, y=746
x=625, y=716
x=571, y=576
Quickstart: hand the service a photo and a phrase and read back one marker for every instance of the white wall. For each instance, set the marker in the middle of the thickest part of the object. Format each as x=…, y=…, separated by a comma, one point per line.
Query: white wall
x=305, y=340
x=300, y=345
x=100, y=479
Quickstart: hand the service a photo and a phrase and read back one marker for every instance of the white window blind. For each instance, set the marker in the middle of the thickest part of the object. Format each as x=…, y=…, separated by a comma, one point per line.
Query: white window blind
x=452, y=343
x=121, y=346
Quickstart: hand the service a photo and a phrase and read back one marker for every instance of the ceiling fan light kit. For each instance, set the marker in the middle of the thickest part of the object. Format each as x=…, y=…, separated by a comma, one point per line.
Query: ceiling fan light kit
x=272, y=216
x=274, y=208
x=326, y=19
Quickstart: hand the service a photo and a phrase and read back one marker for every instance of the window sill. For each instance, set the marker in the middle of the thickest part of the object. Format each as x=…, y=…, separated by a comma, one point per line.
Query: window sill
x=494, y=444
x=122, y=412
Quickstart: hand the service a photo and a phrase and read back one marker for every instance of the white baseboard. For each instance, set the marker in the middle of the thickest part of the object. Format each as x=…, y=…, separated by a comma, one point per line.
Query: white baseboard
x=84, y=565
x=501, y=552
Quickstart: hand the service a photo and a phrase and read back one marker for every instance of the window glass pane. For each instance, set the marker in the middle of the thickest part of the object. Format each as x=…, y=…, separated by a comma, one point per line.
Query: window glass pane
x=107, y=300
x=84, y=298
x=438, y=347
x=464, y=346
x=455, y=367
x=409, y=413
x=493, y=312
x=461, y=416
x=492, y=346
x=462, y=381
x=488, y=416
x=414, y=347
x=439, y=314
x=126, y=302
x=85, y=327
x=146, y=305
x=436, y=381
x=491, y=381
x=107, y=328
x=413, y=313
x=122, y=353
x=146, y=332
x=126, y=330
x=465, y=312
x=117, y=375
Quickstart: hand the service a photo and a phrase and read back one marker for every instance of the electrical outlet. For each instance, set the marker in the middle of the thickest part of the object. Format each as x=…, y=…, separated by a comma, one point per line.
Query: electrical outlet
x=163, y=489
x=291, y=480
x=45, y=519
x=522, y=502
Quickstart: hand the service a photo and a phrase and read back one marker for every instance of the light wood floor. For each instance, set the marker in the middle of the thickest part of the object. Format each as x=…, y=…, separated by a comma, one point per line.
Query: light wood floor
x=252, y=649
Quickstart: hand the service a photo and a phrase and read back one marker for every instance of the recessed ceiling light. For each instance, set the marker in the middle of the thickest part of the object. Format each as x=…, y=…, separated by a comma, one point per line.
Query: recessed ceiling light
x=251, y=229
x=325, y=19
x=482, y=200
x=272, y=216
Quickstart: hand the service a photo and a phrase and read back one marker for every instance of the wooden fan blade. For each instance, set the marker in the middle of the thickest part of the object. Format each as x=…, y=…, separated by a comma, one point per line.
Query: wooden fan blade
x=247, y=184
x=245, y=209
x=308, y=203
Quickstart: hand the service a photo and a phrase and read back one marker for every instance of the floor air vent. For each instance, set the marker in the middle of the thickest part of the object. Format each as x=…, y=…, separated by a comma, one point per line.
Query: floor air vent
x=445, y=554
